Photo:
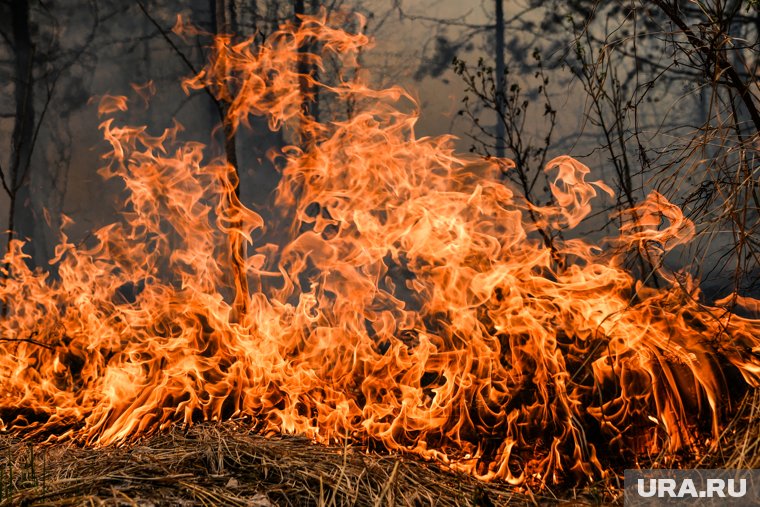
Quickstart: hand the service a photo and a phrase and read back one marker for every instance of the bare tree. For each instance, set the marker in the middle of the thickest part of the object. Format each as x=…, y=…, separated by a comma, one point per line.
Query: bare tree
x=33, y=180
x=670, y=103
x=20, y=216
x=634, y=60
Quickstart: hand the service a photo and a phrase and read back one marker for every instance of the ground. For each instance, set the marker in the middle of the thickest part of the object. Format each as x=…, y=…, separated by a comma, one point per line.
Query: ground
x=225, y=464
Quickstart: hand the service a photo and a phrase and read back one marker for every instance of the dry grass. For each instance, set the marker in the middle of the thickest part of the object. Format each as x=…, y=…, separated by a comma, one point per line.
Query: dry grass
x=739, y=445
x=226, y=464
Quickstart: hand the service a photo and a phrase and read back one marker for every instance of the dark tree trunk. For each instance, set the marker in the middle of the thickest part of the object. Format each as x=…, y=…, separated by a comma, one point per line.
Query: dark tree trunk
x=314, y=107
x=21, y=214
x=500, y=131
x=225, y=19
x=225, y=24
x=299, y=9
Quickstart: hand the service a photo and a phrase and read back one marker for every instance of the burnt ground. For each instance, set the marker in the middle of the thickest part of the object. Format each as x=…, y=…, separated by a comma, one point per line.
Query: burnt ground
x=223, y=464
x=226, y=464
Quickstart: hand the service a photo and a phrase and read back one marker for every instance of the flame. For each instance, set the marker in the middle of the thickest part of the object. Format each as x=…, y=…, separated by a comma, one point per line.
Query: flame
x=402, y=298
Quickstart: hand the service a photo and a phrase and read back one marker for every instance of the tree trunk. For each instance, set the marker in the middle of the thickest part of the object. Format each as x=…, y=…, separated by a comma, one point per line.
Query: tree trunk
x=304, y=69
x=314, y=107
x=500, y=131
x=21, y=214
x=225, y=21
x=225, y=24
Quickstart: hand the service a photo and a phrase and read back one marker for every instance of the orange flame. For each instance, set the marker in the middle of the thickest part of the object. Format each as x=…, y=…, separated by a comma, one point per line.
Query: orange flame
x=406, y=303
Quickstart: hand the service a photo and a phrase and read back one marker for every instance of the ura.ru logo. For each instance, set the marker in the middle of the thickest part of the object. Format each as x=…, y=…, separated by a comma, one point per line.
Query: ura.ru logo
x=714, y=488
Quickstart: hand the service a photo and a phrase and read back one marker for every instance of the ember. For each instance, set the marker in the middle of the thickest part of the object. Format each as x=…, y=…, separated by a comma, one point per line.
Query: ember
x=400, y=297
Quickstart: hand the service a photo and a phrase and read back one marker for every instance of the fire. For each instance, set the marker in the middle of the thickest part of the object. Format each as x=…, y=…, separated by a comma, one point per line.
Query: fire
x=400, y=297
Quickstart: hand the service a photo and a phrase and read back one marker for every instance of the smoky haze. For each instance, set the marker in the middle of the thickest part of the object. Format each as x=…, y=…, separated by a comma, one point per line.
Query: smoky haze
x=621, y=102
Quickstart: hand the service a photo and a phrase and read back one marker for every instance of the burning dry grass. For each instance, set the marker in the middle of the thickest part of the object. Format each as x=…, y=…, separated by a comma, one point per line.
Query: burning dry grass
x=226, y=464
x=401, y=297
x=740, y=441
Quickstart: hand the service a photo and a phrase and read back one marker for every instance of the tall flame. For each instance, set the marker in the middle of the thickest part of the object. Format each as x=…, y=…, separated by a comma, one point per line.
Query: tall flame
x=404, y=299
